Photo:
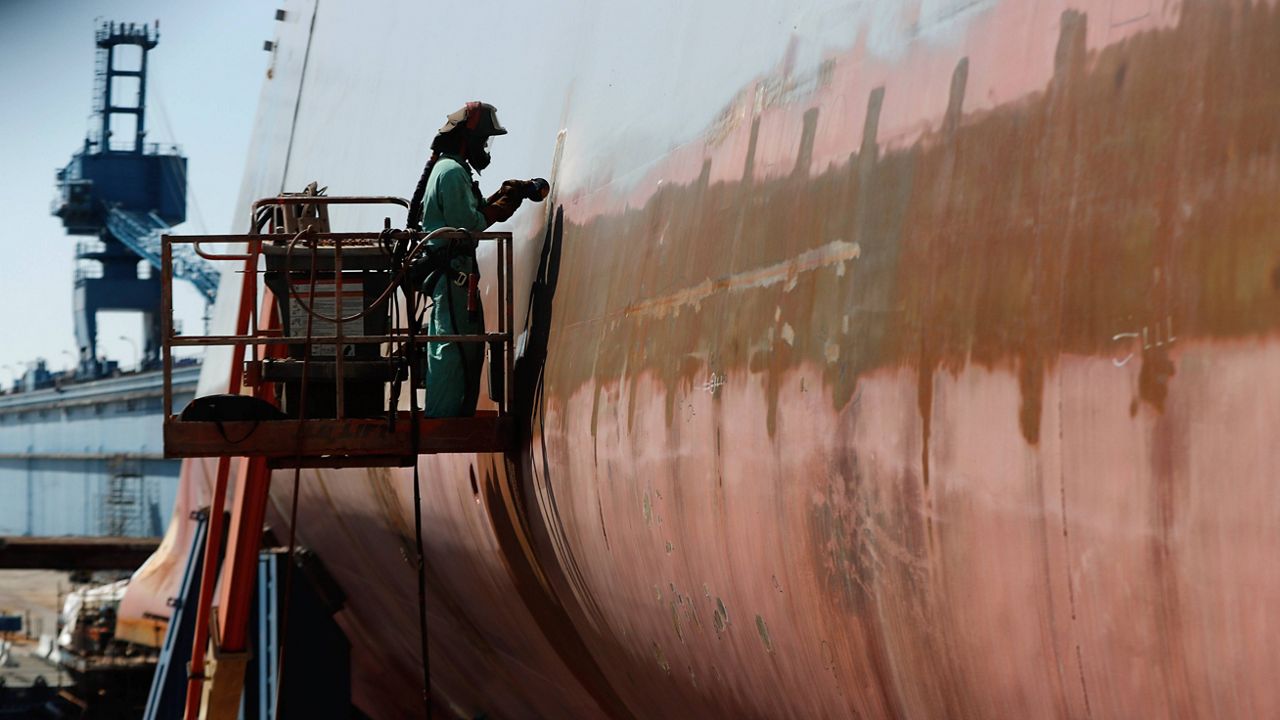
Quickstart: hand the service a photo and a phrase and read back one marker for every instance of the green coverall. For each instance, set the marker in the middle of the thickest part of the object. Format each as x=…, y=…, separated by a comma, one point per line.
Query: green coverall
x=453, y=369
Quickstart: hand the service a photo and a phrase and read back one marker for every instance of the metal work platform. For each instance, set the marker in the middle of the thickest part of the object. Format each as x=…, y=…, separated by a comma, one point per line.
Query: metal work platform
x=326, y=349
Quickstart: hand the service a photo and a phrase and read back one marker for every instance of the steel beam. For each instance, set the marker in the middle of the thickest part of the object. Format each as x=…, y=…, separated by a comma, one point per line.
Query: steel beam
x=355, y=437
x=75, y=553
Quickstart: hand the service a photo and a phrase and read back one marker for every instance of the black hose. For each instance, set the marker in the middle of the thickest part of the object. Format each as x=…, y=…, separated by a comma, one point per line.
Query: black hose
x=411, y=351
x=415, y=205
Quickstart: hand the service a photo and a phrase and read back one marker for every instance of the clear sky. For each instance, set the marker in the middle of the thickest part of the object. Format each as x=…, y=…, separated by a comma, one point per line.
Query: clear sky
x=205, y=77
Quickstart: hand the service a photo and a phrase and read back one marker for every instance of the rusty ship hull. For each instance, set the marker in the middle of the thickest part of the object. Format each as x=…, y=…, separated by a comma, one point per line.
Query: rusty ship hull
x=881, y=360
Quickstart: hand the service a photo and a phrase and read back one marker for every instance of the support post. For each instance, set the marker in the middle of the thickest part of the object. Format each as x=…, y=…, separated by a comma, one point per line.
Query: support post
x=219, y=698
x=339, y=378
x=166, y=320
x=213, y=544
x=243, y=541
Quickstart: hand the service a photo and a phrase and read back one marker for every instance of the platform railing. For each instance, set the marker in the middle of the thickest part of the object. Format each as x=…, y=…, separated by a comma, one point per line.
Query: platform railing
x=266, y=340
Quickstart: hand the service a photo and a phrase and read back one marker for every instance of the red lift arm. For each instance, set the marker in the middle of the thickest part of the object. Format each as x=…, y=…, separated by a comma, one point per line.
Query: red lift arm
x=215, y=683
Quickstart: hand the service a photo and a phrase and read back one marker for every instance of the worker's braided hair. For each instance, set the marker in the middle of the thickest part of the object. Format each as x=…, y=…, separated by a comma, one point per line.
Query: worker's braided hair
x=454, y=141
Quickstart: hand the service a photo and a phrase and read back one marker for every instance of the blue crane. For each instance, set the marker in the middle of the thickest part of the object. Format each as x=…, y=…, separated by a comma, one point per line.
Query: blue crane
x=126, y=192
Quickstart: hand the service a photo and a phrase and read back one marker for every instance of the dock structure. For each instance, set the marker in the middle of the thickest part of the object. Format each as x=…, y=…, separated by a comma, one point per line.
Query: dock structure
x=87, y=459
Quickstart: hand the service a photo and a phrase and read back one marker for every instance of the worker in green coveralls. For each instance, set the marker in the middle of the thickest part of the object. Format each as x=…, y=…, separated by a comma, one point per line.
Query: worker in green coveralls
x=448, y=196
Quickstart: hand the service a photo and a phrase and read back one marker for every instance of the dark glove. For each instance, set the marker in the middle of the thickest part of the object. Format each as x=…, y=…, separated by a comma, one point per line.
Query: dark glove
x=535, y=190
x=520, y=188
x=503, y=203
